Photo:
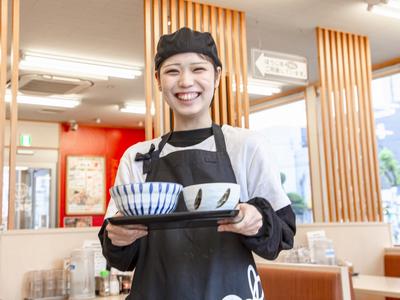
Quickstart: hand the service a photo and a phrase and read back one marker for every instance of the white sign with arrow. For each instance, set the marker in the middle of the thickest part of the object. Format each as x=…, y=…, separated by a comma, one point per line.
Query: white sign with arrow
x=278, y=66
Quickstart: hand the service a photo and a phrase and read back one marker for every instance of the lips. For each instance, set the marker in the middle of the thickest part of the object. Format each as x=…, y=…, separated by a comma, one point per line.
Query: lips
x=188, y=96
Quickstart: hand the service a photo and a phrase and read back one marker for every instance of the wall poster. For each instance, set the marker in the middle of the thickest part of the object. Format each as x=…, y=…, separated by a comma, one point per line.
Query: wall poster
x=85, y=186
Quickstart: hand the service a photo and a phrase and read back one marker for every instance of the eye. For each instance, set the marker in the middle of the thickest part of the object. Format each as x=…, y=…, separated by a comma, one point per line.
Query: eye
x=171, y=72
x=199, y=69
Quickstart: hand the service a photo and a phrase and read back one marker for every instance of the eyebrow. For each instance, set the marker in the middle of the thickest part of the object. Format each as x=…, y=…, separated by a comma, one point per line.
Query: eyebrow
x=178, y=64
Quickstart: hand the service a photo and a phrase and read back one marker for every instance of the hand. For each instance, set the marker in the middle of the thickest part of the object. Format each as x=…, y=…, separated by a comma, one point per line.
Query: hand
x=248, y=221
x=124, y=235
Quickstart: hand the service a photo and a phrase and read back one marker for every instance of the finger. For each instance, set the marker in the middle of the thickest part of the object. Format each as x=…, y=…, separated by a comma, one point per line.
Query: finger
x=136, y=226
x=124, y=240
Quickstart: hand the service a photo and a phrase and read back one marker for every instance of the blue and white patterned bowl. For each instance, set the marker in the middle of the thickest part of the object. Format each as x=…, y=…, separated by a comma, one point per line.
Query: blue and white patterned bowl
x=149, y=198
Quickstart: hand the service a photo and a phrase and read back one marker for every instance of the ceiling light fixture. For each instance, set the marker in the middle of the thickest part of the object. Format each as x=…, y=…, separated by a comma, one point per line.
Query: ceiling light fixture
x=388, y=8
x=44, y=101
x=259, y=87
x=75, y=67
x=136, y=107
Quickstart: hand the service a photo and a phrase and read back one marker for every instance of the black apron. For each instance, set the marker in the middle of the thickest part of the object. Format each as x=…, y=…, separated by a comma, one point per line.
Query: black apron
x=196, y=263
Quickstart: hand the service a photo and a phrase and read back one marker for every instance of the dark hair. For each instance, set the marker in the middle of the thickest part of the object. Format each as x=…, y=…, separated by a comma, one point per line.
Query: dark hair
x=186, y=40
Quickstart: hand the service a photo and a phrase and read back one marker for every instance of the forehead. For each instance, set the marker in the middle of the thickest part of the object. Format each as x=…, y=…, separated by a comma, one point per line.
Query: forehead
x=185, y=58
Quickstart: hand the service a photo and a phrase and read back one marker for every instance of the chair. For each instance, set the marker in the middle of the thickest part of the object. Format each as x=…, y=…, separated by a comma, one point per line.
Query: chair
x=392, y=265
x=283, y=281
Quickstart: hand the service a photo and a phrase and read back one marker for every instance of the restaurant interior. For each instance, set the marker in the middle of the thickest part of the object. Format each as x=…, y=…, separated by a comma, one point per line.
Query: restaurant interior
x=319, y=80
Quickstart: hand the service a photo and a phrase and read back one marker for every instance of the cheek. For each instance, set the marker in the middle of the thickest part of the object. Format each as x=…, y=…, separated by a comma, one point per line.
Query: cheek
x=207, y=83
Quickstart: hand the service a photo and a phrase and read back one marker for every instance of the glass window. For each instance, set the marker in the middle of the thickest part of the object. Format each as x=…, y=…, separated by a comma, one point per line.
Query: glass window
x=285, y=130
x=386, y=105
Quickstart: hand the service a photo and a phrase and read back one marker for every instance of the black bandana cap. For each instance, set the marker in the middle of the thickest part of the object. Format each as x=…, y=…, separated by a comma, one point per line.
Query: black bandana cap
x=186, y=40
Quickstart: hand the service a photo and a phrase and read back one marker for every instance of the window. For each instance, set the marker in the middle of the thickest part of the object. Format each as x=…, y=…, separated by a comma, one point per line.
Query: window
x=386, y=105
x=285, y=130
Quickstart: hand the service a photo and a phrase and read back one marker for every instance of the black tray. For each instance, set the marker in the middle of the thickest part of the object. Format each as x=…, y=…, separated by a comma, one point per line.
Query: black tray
x=177, y=220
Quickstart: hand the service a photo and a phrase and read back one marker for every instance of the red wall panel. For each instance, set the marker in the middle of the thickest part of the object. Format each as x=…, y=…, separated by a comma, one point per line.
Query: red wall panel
x=94, y=141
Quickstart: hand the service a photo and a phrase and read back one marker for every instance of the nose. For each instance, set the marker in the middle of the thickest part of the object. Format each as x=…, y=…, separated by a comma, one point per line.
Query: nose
x=186, y=79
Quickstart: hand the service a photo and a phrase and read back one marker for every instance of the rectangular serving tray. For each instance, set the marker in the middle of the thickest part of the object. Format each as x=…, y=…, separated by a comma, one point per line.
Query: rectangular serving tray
x=177, y=219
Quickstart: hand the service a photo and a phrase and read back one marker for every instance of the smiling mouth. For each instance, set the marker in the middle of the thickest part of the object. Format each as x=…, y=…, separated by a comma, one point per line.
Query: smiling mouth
x=187, y=96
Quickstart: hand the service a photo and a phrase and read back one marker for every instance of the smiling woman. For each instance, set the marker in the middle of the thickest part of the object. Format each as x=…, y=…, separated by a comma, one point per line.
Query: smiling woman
x=214, y=262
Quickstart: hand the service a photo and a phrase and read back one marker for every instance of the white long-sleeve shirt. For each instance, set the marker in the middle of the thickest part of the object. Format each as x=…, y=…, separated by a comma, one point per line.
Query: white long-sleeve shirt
x=252, y=163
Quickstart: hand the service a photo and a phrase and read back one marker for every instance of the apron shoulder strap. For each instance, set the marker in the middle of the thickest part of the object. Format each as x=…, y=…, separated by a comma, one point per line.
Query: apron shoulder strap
x=219, y=138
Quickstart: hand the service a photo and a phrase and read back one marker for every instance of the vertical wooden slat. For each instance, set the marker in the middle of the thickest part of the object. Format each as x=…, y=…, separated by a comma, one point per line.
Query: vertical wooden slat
x=369, y=137
x=13, y=112
x=243, y=56
x=332, y=133
x=197, y=16
x=164, y=25
x=211, y=18
x=378, y=203
x=350, y=140
x=356, y=123
x=221, y=44
x=174, y=15
x=236, y=58
x=189, y=14
x=205, y=23
x=229, y=63
x=3, y=80
x=340, y=199
x=348, y=186
x=361, y=111
x=157, y=98
x=325, y=121
x=181, y=13
x=148, y=73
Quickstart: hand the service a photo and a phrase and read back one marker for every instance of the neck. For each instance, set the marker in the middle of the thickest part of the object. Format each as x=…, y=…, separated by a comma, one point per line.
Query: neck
x=191, y=124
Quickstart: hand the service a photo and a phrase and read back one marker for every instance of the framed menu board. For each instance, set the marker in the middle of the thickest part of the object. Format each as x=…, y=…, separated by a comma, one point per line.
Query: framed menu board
x=85, y=186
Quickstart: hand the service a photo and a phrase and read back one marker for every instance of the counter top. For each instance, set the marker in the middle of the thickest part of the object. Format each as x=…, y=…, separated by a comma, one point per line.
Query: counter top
x=377, y=285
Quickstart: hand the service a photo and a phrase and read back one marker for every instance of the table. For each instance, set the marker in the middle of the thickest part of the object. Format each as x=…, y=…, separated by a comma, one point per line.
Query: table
x=377, y=285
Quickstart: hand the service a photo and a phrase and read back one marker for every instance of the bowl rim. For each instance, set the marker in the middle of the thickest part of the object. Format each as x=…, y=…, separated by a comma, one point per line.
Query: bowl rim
x=147, y=182
x=213, y=183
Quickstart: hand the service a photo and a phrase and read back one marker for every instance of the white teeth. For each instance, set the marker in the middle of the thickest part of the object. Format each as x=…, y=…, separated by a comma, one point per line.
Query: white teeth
x=187, y=96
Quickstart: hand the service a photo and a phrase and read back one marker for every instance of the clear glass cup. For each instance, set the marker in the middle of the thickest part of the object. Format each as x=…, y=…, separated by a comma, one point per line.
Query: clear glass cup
x=324, y=252
x=49, y=283
x=82, y=274
x=34, y=284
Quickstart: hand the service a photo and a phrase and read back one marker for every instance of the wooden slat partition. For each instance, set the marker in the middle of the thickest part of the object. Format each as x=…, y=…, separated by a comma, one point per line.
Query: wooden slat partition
x=228, y=29
x=351, y=163
x=3, y=80
x=13, y=112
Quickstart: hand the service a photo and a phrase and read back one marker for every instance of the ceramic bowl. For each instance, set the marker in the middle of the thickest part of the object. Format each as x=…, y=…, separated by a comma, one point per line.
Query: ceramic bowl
x=211, y=196
x=149, y=198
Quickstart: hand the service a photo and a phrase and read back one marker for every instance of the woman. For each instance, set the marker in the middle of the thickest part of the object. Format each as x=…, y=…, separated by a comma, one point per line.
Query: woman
x=200, y=263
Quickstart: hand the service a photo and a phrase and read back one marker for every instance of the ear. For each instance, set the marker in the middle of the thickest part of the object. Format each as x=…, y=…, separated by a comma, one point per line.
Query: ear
x=157, y=75
x=217, y=77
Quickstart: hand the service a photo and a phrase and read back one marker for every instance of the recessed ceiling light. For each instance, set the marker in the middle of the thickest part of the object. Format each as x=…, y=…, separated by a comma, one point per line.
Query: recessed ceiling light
x=135, y=107
x=76, y=67
x=44, y=101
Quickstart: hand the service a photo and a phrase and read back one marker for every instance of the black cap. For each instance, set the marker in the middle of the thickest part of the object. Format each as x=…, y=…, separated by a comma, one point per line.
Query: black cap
x=186, y=40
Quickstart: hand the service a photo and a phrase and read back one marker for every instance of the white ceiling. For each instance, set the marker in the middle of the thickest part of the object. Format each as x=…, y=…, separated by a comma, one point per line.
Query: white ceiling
x=110, y=30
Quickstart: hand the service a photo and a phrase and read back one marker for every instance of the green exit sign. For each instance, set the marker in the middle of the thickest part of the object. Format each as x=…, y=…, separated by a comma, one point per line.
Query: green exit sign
x=25, y=140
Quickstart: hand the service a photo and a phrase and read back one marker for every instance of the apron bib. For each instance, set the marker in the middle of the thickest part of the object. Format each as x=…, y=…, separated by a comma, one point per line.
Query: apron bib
x=195, y=263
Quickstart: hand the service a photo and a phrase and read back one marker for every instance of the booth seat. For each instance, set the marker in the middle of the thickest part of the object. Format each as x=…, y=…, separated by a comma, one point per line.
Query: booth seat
x=305, y=282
